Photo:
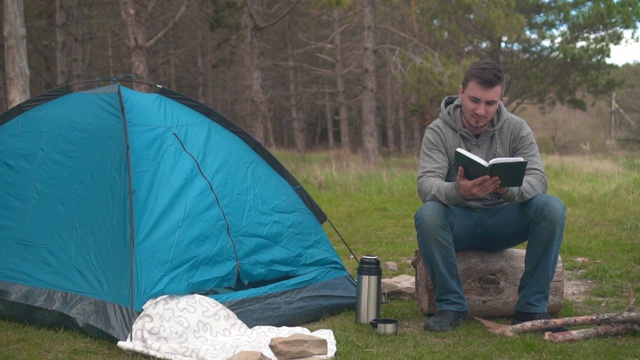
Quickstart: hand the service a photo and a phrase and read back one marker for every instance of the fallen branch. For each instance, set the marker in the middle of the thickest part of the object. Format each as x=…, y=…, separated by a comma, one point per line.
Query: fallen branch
x=628, y=316
x=598, y=331
x=541, y=325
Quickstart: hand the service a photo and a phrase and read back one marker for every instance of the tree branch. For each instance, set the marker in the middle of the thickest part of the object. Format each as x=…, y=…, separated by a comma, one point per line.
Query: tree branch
x=599, y=331
x=626, y=317
x=169, y=26
x=260, y=26
x=422, y=45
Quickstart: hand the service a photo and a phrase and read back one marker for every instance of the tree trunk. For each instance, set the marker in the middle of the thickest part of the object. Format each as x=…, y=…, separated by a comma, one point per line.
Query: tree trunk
x=370, y=144
x=200, y=62
x=402, y=128
x=110, y=53
x=297, y=122
x=329, y=118
x=343, y=115
x=135, y=18
x=255, y=58
x=62, y=66
x=172, y=63
x=254, y=12
x=416, y=135
x=15, y=52
x=3, y=87
x=136, y=14
x=270, y=141
x=490, y=282
x=390, y=113
x=77, y=32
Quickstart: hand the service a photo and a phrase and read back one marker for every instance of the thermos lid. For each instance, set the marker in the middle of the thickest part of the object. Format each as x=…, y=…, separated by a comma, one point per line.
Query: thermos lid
x=369, y=265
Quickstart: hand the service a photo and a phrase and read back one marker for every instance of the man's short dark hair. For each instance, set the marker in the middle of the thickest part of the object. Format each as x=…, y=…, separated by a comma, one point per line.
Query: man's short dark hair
x=487, y=73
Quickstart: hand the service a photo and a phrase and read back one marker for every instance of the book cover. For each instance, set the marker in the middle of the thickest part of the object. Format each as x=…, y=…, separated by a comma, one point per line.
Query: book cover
x=510, y=170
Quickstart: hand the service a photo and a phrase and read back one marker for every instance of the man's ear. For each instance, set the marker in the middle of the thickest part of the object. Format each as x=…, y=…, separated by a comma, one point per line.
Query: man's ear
x=460, y=91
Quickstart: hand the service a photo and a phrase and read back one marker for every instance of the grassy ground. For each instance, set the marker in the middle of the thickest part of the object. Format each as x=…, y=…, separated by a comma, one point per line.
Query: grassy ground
x=373, y=211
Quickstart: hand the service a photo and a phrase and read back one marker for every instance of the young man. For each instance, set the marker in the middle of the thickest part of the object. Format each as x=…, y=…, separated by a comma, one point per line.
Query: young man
x=459, y=214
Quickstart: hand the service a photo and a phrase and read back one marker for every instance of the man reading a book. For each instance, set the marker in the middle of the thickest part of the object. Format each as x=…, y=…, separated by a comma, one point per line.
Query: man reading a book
x=460, y=214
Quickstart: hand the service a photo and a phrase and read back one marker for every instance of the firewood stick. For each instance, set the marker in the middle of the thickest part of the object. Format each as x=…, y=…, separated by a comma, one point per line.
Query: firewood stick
x=626, y=316
x=539, y=325
x=598, y=331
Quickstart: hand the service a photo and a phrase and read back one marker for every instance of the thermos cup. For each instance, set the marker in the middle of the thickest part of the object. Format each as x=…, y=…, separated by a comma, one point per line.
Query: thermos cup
x=384, y=327
x=369, y=290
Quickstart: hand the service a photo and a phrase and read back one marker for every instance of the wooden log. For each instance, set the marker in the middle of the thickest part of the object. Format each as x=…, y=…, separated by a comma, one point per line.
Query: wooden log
x=490, y=282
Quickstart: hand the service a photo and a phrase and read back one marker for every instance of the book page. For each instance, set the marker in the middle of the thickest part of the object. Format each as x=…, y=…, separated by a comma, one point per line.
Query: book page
x=506, y=160
x=472, y=156
x=503, y=160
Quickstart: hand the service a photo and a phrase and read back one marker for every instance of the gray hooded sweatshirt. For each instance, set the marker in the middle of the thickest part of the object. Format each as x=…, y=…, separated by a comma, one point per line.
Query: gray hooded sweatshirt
x=507, y=136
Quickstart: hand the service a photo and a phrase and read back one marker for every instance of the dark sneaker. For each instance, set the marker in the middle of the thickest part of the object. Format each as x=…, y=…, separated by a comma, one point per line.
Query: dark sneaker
x=445, y=321
x=521, y=316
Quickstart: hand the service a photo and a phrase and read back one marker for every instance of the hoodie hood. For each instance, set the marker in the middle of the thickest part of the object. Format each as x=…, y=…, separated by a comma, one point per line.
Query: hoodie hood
x=450, y=115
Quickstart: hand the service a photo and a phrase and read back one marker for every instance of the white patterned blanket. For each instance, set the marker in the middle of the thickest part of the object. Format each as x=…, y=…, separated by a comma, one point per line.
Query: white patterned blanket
x=195, y=327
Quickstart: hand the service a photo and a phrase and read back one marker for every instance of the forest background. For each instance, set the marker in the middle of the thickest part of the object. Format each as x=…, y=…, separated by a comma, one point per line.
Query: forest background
x=363, y=76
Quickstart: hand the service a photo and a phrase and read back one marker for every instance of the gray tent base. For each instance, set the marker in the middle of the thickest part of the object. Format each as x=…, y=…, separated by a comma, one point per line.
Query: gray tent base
x=55, y=309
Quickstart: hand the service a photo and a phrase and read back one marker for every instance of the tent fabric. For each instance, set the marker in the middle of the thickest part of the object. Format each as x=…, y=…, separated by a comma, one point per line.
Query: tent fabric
x=112, y=197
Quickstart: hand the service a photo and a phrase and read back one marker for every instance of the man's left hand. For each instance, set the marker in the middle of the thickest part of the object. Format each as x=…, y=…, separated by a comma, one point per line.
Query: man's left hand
x=501, y=191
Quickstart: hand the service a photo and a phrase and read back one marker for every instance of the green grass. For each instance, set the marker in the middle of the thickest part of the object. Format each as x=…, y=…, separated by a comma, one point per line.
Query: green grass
x=373, y=210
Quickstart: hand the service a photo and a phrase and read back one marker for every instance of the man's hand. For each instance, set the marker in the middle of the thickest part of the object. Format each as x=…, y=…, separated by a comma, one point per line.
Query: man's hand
x=480, y=187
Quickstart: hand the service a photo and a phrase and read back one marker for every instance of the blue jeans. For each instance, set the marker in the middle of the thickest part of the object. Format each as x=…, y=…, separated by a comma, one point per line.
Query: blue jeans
x=443, y=230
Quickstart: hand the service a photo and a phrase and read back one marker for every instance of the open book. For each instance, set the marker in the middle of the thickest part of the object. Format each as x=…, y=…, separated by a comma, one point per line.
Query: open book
x=510, y=170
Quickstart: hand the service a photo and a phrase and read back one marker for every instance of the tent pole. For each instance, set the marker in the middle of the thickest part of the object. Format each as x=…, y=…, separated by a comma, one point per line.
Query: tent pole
x=131, y=212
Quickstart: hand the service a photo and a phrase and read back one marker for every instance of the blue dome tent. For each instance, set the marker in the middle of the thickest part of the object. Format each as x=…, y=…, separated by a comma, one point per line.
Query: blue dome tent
x=111, y=197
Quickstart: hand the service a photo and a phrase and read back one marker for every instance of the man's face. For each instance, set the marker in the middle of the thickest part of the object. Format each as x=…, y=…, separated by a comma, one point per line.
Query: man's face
x=479, y=105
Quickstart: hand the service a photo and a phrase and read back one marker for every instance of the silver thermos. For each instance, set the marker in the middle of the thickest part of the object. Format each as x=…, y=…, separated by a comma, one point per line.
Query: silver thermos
x=369, y=289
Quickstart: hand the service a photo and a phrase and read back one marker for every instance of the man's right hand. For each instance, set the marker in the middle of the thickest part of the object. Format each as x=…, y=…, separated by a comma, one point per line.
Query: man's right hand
x=478, y=188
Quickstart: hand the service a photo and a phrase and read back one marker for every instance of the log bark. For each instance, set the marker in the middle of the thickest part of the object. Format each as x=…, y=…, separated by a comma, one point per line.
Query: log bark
x=490, y=282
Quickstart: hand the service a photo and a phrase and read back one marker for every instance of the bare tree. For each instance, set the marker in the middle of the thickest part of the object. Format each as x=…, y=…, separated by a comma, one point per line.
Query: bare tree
x=15, y=52
x=136, y=15
x=329, y=119
x=370, y=144
x=255, y=58
x=62, y=68
x=254, y=20
x=402, y=147
x=339, y=68
x=390, y=113
x=202, y=52
x=316, y=92
x=78, y=41
x=297, y=120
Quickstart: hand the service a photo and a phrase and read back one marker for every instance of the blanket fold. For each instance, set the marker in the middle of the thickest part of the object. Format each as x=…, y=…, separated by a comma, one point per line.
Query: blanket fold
x=196, y=327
